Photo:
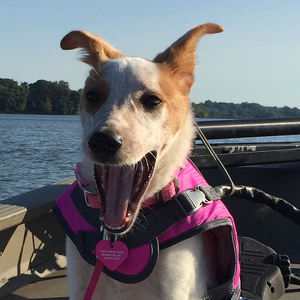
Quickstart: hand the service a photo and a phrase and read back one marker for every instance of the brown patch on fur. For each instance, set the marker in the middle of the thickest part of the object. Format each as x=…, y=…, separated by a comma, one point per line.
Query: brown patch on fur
x=96, y=51
x=175, y=97
x=96, y=84
x=177, y=64
x=180, y=56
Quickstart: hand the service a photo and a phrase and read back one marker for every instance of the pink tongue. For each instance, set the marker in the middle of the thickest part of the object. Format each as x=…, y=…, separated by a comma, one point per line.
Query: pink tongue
x=119, y=187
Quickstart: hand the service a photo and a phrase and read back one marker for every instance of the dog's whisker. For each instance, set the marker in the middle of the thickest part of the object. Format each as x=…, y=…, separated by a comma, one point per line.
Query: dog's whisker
x=153, y=157
x=149, y=164
x=92, y=78
x=99, y=66
x=138, y=221
x=148, y=207
x=93, y=68
x=136, y=167
x=91, y=118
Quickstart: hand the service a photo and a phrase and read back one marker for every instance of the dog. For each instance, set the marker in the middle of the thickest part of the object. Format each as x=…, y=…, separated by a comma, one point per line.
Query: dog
x=137, y=130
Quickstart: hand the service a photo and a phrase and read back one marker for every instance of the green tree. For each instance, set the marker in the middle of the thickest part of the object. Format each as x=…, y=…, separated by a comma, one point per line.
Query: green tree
x=13, y=96
x=21, y=99
x=48, y=97
x=46, y=107
x=61, y=103
x=39, y=92
x=199, y=110
x=75, y=99
x=242, y=110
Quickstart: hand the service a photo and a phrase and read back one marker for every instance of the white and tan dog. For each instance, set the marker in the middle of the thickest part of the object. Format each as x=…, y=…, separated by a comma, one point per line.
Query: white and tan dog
x=137, y=129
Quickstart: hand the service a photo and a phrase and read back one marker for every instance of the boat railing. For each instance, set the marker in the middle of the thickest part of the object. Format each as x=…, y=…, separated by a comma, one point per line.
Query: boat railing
x=249, y=152
x=238, y=128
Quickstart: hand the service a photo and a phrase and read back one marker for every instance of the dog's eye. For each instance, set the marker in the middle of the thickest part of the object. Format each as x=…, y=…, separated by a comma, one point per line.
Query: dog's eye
x=92, y=97
x=150, y=101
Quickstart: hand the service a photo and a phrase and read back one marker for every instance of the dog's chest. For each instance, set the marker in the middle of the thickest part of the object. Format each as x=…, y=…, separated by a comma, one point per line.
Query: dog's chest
x=176, y=276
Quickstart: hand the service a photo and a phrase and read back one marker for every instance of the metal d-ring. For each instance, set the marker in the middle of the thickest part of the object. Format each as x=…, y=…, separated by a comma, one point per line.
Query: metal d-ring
x=108, y=236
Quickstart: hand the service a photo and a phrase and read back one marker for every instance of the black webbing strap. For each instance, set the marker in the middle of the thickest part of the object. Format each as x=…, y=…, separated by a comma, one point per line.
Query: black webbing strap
x=158, y=221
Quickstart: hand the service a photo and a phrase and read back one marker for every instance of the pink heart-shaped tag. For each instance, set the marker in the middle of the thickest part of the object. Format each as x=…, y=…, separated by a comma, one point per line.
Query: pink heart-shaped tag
x=112, y=255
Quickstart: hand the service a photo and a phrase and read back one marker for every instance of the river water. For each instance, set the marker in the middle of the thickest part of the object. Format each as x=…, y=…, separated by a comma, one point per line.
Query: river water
x=37, y=150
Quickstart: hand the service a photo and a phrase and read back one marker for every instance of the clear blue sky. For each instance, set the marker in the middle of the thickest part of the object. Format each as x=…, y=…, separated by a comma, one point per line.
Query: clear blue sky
x=256, y=59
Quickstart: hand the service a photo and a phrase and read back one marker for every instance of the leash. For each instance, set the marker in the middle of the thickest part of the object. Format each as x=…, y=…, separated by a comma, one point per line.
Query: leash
x=216, y=158
x=94, y=280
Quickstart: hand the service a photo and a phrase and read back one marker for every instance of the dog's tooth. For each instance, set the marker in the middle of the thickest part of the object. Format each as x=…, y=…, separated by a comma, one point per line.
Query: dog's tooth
x=127, y=217
x=114, y=227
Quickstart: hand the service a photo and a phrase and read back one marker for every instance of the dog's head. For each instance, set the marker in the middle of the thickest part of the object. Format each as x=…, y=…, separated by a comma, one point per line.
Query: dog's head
x=136, y=119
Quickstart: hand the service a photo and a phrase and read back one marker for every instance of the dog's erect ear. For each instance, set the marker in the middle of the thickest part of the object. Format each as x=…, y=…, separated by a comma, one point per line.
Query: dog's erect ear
x=180, y=56
x=96, y=51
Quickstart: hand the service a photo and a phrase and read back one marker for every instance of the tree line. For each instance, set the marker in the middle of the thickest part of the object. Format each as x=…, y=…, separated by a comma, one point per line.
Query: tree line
x=244, y=110
x=47, y=97
x=41, y=97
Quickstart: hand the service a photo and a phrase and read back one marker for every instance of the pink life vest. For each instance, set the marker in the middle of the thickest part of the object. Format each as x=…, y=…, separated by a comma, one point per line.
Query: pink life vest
x=82, y=224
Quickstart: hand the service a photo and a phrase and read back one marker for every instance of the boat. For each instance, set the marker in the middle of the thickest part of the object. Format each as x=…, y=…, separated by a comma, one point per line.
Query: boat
x=32, y=244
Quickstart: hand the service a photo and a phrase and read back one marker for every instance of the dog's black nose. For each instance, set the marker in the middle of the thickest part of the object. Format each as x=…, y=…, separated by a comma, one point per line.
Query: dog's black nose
x=105, y=142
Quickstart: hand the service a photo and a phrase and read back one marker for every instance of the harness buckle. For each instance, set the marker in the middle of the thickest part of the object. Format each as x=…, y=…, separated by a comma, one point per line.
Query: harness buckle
x=187, y=202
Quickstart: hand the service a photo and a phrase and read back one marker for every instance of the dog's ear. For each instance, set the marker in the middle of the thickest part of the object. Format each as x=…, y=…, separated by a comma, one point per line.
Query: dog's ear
x=96, y=51
x=179, y=58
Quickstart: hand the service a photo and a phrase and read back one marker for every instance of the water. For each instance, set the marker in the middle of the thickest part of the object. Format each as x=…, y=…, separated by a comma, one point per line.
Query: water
x=37, y=150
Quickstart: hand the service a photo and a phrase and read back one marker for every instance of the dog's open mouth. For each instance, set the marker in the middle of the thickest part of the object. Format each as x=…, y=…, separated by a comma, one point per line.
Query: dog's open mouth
x=120, y=189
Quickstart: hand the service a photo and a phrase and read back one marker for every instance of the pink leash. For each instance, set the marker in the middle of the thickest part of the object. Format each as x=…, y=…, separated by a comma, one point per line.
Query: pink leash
x=94, y=280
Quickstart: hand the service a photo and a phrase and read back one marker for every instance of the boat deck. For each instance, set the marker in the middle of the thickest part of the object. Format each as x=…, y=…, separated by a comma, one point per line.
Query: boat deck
x=54, y=287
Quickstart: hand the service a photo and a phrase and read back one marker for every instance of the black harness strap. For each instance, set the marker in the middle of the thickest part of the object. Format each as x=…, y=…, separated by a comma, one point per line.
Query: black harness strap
x=159, y=220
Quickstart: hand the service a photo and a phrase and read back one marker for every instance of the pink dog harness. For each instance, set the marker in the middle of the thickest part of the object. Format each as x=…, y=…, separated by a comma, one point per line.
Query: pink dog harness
x=195, y=208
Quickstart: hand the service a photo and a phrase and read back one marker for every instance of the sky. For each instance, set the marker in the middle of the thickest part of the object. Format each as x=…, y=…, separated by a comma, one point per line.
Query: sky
x=256, y=59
